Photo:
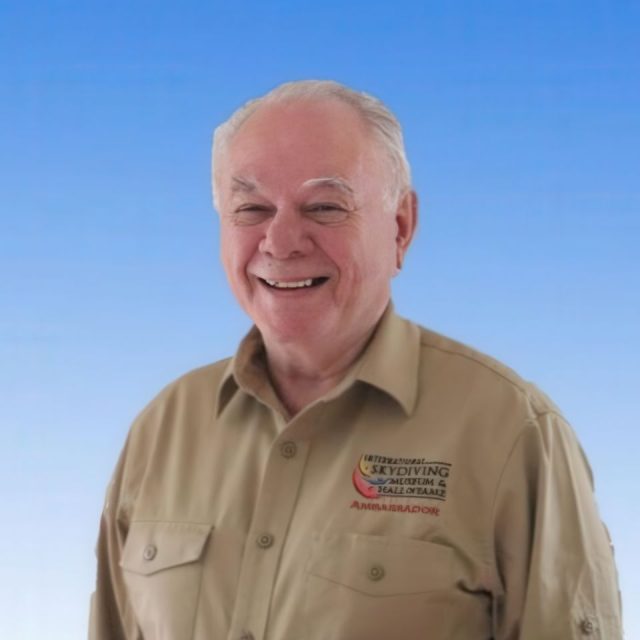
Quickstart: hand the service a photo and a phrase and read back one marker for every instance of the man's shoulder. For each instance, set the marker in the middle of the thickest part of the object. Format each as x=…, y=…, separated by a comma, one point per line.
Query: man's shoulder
x=204, y=376
x=466, y=362
x=467, y=356
x=193, y=393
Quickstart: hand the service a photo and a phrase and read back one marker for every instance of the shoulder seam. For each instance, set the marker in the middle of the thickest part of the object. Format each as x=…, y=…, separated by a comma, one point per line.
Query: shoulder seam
x=479, y=361
x=539, y=404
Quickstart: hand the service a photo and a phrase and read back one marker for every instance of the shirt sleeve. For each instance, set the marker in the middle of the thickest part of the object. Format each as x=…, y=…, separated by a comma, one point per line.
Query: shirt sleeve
x=111, y=616
x=553, y=557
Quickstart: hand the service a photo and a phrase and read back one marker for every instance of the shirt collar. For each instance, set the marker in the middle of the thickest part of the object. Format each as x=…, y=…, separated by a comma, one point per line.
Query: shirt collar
x=389, y=363
x=247, y=370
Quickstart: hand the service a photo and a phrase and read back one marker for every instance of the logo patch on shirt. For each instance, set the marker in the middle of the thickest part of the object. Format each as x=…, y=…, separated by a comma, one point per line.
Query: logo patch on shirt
x=384, y=477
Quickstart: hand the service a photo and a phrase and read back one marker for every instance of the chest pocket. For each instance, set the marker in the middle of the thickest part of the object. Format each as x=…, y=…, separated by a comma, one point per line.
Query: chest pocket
x=162, y=568
x=375, y=587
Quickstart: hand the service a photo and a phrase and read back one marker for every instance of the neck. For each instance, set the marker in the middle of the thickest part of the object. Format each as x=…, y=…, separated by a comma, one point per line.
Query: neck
x=303, y=372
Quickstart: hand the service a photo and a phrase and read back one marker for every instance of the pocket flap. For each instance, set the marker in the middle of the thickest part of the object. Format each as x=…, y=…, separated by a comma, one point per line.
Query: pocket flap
x=154, y=546
x=383, y=566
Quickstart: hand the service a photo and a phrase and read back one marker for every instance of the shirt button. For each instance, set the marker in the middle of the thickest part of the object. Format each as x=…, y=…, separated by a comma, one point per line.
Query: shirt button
x=288, y=449
x=586, y=626
x=246, y=635
x=264, y=540
x=376, y=572
x=149, y=552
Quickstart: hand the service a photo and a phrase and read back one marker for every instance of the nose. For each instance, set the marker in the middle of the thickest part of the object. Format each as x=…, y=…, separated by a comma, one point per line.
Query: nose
x=286, y=236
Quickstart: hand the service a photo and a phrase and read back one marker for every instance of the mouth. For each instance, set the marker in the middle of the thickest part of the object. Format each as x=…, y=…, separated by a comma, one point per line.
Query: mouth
x=308, y=283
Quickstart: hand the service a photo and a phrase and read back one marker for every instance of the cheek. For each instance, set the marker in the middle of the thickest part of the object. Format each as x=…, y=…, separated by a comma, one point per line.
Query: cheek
x=378, y=254
x=236, y=250
x=383, y=245
x=227, y=259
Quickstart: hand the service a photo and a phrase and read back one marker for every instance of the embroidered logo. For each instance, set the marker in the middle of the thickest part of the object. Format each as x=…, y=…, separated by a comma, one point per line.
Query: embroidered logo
x=380, y=476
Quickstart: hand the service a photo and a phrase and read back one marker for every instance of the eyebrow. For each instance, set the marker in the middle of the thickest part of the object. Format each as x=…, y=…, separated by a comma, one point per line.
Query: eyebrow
x=333, y=181
x=243, y=185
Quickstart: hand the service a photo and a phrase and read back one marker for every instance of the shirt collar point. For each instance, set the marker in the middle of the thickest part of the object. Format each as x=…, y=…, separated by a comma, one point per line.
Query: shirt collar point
x=226, y=389
x=392, y=360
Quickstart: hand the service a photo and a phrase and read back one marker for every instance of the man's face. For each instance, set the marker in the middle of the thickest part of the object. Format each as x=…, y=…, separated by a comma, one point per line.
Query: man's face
x=307, y=243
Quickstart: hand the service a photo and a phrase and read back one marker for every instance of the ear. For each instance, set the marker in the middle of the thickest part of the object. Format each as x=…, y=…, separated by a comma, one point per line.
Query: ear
x=406, y=223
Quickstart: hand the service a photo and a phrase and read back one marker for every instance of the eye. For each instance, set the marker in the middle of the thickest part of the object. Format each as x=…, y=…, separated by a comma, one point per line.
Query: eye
x=324, y=206
x=248, y=214
x=326, y=212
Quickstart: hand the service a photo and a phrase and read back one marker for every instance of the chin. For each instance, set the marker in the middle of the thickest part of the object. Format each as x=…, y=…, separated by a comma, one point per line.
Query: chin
x=292, y=329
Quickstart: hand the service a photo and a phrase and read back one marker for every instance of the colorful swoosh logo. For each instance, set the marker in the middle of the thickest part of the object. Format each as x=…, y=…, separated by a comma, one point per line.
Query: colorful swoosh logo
x=364, y=482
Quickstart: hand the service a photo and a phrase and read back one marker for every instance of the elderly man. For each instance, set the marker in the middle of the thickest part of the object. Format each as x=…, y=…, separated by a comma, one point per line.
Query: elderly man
x=347, y=475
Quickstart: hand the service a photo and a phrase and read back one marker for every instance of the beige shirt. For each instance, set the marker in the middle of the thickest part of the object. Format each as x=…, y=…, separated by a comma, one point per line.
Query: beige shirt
x=432, y=495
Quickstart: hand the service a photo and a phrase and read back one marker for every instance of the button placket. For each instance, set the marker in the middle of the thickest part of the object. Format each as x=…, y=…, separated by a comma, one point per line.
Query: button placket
x=274, y=508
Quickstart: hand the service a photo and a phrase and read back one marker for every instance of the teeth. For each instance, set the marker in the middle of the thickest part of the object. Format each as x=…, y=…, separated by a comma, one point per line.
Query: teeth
x=289, y=285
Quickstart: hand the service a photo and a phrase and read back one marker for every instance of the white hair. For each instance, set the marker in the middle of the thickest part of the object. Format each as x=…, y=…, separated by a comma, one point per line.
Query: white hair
x=384, y=126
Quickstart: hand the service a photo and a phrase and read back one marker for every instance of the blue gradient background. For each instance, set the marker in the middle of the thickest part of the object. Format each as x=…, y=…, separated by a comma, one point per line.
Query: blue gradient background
x=522, y=122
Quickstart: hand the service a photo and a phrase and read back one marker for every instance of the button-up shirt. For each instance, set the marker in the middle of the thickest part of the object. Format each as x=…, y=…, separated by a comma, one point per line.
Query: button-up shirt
x=431, y=494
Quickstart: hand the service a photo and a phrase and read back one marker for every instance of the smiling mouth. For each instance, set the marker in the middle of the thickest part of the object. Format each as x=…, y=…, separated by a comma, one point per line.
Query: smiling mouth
x=294, y=284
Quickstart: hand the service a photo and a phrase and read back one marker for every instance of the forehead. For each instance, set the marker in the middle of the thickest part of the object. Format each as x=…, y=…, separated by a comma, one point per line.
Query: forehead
x=301, y=141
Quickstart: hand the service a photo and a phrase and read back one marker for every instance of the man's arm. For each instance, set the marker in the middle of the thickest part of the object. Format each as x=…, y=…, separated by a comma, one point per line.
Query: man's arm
x=111, y=616
x=553, y=555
